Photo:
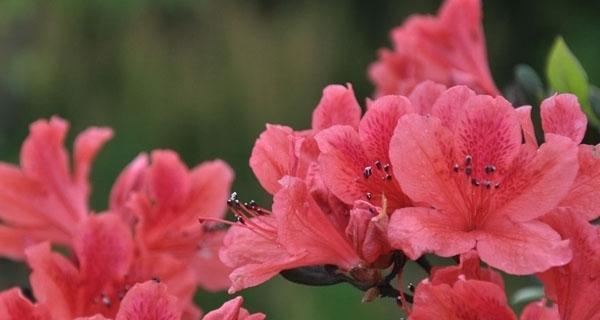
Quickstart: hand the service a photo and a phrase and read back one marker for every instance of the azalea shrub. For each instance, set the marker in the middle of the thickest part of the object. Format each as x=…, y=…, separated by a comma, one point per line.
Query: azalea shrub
x=440, y=169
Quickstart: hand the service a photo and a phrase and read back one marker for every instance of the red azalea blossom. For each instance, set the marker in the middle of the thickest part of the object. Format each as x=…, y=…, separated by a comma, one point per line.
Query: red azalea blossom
x=561, y=114
x=280, y=151
x=297, y=233
x=44, y=199
x=104, y=279
x=483, y=188
x=355, y=164
x=448, y=49
x=575, y=286
x=164, y=199
x=463, y=292
x=232, y=310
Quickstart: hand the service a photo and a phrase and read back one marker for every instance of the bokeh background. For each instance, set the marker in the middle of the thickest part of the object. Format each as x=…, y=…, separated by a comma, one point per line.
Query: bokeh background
x=203, y=77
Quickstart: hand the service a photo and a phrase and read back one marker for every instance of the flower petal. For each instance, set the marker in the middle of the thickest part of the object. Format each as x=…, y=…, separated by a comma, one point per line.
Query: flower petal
x=211, y=184
x=575, y=286
x=422, y=159
x=561, y=114
x=424, y=96
x=273, y=156
x=338, y=106
x=468, y=269
x=538, y=181
x=450, y=105
x=420, y=230
x=86, y=147
x=211, y=273
x=149, y=301
x=54, y=281
x=377, y=126
x=582, y=197
x=232, y=310
x=344, y=165
x=303, y=227
x=104, y=250
x=465, y=300
x=168, y=181
x=44, y=158
x=129, y=181
x=367, y=230
x=488, y=131
x=14, y=306
x=522, y=248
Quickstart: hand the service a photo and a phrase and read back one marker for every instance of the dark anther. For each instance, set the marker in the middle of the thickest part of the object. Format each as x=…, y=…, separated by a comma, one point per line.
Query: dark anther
x=367, y=172
x=369, y=195
x=488, y=184
x=411, y=287
x=372, y=210
x=475, y=182
x=489, y=169
x=386, y=168
x=468, y=171
x=387, y=177
x=468, y=160
x=497, y=185
x=456, y=167
x=240, y=219
x=378, y=164
x=156, y=279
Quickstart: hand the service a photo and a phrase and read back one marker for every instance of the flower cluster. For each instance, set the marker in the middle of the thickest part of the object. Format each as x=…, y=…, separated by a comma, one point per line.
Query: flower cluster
x=439, y=163
x=141, y=259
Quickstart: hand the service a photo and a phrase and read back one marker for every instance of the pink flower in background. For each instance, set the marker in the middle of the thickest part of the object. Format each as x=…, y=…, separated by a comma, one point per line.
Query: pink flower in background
x=298, y=233
x=165, y=199
x=538, y=310
x=574, y=287
x=232, y=310
x=448, y=49
x=46, y=198
x=482, y=188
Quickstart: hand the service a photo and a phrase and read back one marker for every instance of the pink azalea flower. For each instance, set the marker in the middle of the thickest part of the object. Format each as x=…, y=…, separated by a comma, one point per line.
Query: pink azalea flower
x=232, y=310
x=355, y=164
x=561, y=114
x=462, y=292
x=164, y=200
x=96, y=284
x=448, y=49
x=280, y=151
x=44, y=199
x=292, y=236
x=575, y=286
x=144, y=301
x=480, y=186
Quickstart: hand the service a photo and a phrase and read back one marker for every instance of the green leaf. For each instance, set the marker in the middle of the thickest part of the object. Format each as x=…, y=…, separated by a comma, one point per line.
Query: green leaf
x=565, y=74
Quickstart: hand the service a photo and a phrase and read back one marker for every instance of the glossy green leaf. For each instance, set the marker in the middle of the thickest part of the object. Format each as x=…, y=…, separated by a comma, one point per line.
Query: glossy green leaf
x=565, y=74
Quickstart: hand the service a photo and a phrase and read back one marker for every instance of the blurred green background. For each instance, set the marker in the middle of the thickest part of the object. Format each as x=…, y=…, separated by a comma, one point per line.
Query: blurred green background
x=203, y=77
